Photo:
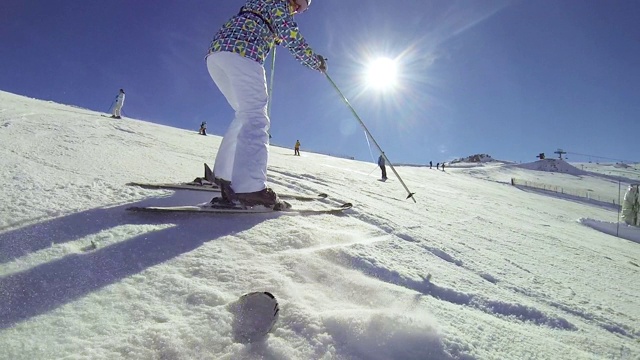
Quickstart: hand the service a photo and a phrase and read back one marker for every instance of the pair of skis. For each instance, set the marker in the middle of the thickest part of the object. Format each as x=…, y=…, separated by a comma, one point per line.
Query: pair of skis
x=202, y=184
x=206, y=208
x=214, y=188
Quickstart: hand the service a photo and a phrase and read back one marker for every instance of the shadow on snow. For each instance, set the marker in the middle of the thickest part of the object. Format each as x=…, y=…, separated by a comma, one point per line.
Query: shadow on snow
x=47, y=286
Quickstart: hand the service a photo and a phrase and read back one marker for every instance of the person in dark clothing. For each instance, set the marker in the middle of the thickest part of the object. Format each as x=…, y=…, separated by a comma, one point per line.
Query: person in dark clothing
x=438, y=166
x=381, y=163
x=203, y=128
x=442, y=166
x=296, y=148
x=430, y=164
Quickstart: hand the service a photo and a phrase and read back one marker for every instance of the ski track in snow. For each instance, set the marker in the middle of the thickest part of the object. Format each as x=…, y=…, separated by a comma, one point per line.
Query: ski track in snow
x=462, y=274
x=499, y=308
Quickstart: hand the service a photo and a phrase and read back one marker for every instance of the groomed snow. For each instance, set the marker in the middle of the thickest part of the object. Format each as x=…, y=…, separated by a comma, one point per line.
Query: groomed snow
x=476, y=269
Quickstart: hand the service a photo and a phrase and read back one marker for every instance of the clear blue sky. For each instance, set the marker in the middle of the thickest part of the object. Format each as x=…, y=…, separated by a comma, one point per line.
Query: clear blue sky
x=507, y=78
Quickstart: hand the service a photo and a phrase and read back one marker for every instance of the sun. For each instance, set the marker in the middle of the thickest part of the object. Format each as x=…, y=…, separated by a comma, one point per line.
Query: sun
x=382, y=73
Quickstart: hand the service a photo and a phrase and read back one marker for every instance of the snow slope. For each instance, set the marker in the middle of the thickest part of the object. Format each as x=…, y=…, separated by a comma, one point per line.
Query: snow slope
x=476, y=269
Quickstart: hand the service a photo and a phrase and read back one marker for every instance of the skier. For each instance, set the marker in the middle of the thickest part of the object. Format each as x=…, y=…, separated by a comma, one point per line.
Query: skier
x=118, y=105
x=235, y=62
x=631, y=206
x=296, y=149
x=203, y=128
x=381, y=163
x=430, y=164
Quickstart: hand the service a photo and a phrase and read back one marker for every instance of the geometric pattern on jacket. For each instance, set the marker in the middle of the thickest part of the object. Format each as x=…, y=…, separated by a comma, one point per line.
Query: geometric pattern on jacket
x=248, y=35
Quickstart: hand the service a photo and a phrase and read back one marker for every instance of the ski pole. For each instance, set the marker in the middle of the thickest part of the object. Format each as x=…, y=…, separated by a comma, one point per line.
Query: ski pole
x=410, y=194
x=111, y=106
x=270, y=90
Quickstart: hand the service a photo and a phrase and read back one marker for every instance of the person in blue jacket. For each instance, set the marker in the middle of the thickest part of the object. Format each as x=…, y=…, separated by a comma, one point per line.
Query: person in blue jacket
x=383, y=167
x=235, y=61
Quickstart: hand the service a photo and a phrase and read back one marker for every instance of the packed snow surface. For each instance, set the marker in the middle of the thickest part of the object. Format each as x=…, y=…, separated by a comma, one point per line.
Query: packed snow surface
x=475, y=269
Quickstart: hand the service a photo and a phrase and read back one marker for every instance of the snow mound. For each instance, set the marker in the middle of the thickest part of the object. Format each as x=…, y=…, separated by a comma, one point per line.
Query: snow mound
x=621, y=230
x=622, y=166
x=553, y=165
x=477, y=158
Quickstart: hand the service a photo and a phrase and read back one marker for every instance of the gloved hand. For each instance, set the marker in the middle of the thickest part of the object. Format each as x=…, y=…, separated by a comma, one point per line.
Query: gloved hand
x=323, y=63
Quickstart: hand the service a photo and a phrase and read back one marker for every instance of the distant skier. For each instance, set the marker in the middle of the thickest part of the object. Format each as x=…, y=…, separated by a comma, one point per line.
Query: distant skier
x=442, y=166
x=296, y=148
x=438, y=166
x=381, y=163
x=117, y=107
x=430, y=165
x=203, y=128
x=631, y=206
x=235, y=62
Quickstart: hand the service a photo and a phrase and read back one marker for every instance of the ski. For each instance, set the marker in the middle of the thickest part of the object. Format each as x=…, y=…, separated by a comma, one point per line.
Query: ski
x=206, y=183
x=178, y=186
x=207, y=209
x=214, y=188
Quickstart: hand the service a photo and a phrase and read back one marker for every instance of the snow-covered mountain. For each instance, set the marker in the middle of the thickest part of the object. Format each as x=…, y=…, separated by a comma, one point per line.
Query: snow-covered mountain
x=477, y=158
x=475, y=269
x=553, y=165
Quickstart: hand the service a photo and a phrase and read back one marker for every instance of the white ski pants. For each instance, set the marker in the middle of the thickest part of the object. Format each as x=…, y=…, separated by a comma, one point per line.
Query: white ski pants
x=244, y=151
x=117, y=107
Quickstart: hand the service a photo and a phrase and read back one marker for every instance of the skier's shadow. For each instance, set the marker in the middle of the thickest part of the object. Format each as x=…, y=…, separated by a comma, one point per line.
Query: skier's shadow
x=47, y=286
x=39, y=236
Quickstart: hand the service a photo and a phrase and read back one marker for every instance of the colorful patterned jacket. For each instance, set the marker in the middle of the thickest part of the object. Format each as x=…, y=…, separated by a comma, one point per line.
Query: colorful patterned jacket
x=257, y=27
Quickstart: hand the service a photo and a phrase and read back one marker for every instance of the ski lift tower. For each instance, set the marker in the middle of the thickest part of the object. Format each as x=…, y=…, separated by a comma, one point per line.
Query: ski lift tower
x=560, y=152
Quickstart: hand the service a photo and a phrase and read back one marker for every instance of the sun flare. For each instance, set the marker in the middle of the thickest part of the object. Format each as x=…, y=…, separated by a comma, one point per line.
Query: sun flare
x=382, y=73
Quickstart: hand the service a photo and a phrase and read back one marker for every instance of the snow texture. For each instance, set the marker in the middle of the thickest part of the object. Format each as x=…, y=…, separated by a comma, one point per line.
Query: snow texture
x=476, y=269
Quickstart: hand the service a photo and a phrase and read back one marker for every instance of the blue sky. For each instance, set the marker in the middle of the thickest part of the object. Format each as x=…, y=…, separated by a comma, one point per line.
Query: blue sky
x=507, y=78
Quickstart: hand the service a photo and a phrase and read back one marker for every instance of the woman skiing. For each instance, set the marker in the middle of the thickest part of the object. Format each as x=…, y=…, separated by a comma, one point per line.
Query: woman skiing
x=117, y=107
x=235, y=62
